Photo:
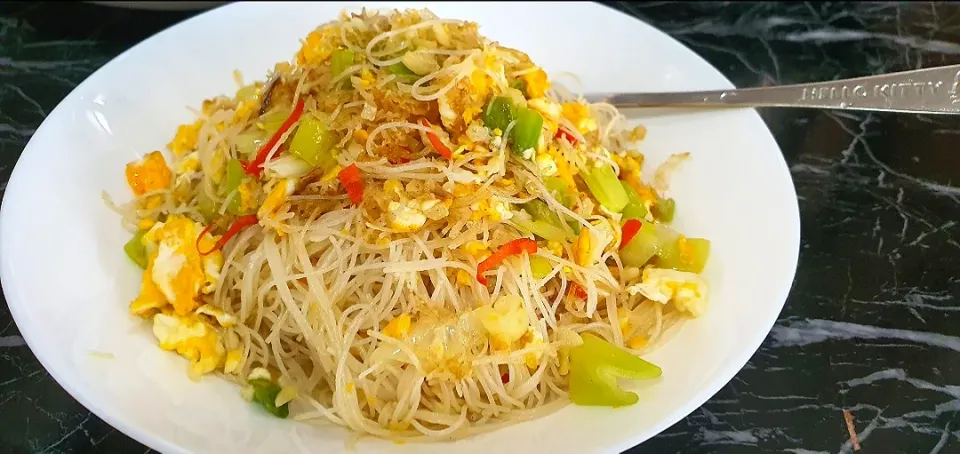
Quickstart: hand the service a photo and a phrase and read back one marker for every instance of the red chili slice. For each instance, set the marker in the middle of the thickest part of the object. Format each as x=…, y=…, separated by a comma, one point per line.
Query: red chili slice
x=515, y=247
x=350, y=179
x=436, y=142
x=241, y=223
x=255, y=167
x=630, y=229
x=562, y=133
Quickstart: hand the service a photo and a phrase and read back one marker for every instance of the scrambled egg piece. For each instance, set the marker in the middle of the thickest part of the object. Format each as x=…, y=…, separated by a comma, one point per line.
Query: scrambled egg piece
x=550, y=110
x=579, y=115
x=277, y=196
x=547, y=165
x=464, y=279
x=399, y=327
x=494, y=210
x=185, y=168
x=508, y=327
x=192, y=338
x=465, y=102
x=175, y=266
x=150, y=299
x=537, y=83
x=636, y=342
x=687, y=291
x=629, y=167
x=477, y=249
x=319, y=45
x=582, y=248
x=188, y=163
x=409, y=215
x=506, y=321
x=405, y=217
x=393, y=186
x=532, y=359
x=186, y=138
x=564, y=170
x=444, y=342
x=148, y=174
x=366, y=78
x=555, y=248
x=248, y=196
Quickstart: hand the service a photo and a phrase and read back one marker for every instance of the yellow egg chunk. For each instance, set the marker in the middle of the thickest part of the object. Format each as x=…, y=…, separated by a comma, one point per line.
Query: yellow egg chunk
x=493, y=210
x=192, y=339
x=178, y=270
x=537, y=83
x=185, y=139
x=150, y=299
x=687, y=291
x=319, y=45
x=277, y=196
x=188, y=163
x=399, y=327
x=506, y=321
x=532, y=359
x=405, y=217
x=148, y=174
x=579, y=115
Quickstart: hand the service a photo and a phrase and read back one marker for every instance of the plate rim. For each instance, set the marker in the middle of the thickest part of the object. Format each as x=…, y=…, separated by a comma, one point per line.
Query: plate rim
x=11, y=289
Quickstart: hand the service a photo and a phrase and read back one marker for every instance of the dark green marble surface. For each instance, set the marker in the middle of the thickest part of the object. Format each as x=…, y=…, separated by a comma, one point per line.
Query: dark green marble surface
x=872, y=324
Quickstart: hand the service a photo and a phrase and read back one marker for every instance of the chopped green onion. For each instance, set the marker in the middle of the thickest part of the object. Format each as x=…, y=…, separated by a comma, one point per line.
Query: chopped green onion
x=313, y=141
x=540, y=211
x=635, y=208
x=606, y=187
x=647, y=242
x=206, y=207
x=274, y=119
x=265, y=393
x=500, y=112
x=540, y=267
x=402, y=72
x=663, y=209
x=340, y=61
x=540, y=228
x=248, y=143
x=288, y=166
x=526, y=131
x=231, y=184
x=558, y=189
x=136, y=250
x=248, y=93
x=595, y=366
x=684, y=254
x=400, y=69
x=547, y=224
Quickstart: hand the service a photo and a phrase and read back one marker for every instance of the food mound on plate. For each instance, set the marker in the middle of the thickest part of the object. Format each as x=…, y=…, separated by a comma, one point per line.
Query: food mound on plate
x=409, y=232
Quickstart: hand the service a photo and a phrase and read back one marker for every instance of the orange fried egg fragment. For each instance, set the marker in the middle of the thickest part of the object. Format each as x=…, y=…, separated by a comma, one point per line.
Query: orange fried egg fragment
x=176, y=273
x=148, y=174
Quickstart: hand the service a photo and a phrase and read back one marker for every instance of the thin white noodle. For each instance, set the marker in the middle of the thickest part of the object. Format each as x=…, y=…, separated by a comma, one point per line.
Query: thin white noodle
x=318, y=286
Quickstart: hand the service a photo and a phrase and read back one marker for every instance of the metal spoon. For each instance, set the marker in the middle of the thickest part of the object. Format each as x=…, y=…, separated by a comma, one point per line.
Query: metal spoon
x=929, y=90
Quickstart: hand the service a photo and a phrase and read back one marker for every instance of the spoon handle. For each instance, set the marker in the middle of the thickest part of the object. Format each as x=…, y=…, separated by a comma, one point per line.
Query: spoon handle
x=929, y=90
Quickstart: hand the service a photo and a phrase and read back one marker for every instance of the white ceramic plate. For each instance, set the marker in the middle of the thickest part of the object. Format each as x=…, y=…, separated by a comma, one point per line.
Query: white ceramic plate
x=68, y=282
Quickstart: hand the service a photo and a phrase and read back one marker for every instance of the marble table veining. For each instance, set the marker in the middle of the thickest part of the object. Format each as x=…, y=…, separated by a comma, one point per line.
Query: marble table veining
x=872, y=324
